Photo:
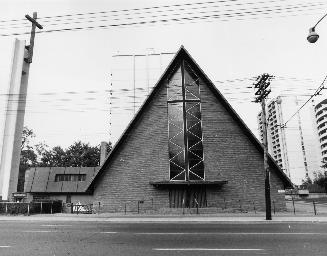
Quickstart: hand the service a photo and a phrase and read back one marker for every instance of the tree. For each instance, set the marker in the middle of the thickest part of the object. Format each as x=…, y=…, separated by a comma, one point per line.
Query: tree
x=27, y=134
x=28, y=157
x=321, y=179
x=82, y=154
x=77, y=155
x=306, y=181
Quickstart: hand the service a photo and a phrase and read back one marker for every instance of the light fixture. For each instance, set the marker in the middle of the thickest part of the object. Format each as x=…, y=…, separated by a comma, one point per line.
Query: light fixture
x=313, y=36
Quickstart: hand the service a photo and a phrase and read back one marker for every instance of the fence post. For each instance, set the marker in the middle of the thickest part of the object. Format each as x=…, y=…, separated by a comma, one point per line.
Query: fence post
x=51, y=207
x=28, y=209
x=6, y=208
x=293, y=205
x=41, y=207
x=274, y=207
x=152, y=203
x=138, y=206
x=99, y=207
x=314, y=207
x=71, y=208
x=197, y=206
x=255, y=211
x=125, y=209
x=183, y=204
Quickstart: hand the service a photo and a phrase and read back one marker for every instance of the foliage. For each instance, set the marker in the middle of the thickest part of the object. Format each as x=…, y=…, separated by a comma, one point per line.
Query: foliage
x=79, y=154
x=320, y=179
x=28, y=157
x=306, y=181
x=26, y=136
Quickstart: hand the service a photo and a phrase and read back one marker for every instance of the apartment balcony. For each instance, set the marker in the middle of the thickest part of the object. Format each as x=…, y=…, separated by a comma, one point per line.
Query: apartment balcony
x=321, y=107
x=321, y=114
x=321, y=120
x=322, y=130
x=323, y=144
x=321, y=126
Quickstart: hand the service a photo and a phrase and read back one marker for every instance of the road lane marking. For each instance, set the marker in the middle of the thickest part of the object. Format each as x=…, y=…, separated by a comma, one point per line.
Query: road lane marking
x=55, y=225
x=108, y=232
x=39, y=231
x=205, y=249
x=226, y=233
x=5, y=246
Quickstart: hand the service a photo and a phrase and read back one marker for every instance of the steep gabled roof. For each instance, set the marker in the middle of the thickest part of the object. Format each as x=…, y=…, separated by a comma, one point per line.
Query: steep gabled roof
x=183, y=54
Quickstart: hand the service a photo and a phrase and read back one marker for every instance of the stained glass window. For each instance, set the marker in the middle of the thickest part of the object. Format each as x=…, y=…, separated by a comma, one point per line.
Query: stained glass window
x=185, y=127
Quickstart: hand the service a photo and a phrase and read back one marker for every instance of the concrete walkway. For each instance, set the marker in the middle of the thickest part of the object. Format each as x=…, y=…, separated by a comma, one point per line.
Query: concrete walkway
x=134, y=218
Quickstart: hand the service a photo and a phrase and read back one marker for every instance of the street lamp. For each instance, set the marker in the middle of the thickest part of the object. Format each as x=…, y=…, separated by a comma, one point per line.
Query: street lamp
x=313, y=36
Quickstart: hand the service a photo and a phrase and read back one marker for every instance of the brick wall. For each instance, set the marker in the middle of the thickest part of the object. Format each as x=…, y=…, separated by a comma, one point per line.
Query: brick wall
x=229, y=155
x=142, y=158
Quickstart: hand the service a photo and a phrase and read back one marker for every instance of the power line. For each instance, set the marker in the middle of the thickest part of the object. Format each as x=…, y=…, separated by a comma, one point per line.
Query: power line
x=179, y=12
x=126, y=10
x=157, y=9
x=166, y=21
x=319, y=89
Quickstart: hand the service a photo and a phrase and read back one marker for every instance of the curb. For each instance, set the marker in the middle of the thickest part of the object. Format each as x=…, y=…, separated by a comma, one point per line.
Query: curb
x=166, y=219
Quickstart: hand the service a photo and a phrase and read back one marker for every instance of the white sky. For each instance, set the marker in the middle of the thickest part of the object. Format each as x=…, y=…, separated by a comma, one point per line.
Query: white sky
x=80, y=62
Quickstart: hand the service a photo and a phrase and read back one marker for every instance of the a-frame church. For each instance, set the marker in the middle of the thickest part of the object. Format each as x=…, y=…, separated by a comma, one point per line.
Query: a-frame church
x=186, y=147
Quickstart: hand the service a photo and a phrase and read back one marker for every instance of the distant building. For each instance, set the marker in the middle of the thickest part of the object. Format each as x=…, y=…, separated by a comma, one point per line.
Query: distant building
x=294, y=147
x=321, y=121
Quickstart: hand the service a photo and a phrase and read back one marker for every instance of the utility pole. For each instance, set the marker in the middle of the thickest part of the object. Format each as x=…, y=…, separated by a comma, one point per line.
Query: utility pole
x=31, y=46
x=262, y=92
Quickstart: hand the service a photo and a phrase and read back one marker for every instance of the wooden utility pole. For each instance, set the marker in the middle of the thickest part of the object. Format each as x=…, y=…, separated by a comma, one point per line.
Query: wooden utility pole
x=31, y=46
x=262, y=92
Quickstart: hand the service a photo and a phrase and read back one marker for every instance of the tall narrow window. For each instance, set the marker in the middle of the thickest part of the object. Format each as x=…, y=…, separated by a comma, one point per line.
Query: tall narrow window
x=185, y=127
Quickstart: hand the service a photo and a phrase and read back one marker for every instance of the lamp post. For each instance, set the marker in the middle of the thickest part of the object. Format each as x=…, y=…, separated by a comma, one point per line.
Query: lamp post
x=313, y=36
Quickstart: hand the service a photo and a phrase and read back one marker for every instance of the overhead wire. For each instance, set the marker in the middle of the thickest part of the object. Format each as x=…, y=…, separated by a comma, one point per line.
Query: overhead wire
x=125, y=11
x=236, y=14
x=169, y=12
x=318, y=90
x=157, y=9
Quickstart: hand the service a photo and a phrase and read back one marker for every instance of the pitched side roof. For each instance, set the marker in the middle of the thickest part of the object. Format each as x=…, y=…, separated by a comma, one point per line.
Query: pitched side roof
x=183, y=54
x=43, y=179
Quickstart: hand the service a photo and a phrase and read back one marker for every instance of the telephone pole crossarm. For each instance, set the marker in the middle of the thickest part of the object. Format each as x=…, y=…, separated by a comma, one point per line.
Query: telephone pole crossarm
x=30, y=47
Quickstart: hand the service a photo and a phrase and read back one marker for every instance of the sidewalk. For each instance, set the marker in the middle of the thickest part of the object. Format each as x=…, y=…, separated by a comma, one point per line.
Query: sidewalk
x=142, y=218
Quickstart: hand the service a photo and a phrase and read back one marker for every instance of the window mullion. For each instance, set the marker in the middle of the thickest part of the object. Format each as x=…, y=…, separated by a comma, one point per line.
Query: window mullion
x=185, y=123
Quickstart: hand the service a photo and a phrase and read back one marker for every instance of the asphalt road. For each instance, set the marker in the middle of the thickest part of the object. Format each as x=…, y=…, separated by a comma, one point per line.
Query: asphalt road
x=101, y=238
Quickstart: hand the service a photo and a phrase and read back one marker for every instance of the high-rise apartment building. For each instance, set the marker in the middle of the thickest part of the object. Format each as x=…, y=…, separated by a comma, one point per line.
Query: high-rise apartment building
x=321, y=120
x=295, y=147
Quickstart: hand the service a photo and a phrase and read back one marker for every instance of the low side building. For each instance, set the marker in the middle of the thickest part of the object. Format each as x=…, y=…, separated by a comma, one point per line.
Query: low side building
x=68, y=184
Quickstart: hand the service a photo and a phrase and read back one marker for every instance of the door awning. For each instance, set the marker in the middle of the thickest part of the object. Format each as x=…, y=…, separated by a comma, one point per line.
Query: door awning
x=175, y=183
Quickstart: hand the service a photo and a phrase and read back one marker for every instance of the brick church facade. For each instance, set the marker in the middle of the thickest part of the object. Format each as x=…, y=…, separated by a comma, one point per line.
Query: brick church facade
x=186, y=147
